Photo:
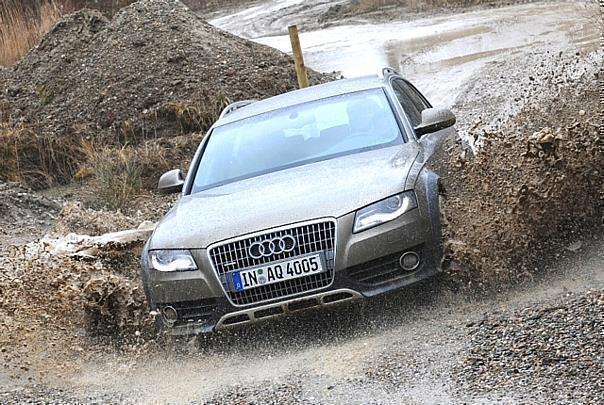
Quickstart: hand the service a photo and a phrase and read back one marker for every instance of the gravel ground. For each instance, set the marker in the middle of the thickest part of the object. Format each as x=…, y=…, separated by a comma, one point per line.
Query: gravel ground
x=552, y=352
x=41, y=395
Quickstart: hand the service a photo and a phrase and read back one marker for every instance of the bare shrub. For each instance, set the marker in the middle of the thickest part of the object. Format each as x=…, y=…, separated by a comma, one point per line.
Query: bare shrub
x=122, y=173
x=118, y=173
x=159, y=155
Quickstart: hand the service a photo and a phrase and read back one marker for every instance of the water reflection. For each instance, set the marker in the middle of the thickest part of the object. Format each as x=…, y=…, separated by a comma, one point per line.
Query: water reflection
x=441, y=54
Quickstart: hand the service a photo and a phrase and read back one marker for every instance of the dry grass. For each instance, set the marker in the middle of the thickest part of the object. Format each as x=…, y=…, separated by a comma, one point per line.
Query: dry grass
x=36, y=160
x=118, y=173
x=197, y=115
x=22, y=25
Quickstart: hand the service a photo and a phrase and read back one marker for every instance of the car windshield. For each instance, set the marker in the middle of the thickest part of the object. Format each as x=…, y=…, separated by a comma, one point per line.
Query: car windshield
x=297, y=135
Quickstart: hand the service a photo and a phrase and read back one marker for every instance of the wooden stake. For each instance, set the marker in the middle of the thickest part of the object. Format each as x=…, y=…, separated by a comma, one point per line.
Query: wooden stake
x=298, y=57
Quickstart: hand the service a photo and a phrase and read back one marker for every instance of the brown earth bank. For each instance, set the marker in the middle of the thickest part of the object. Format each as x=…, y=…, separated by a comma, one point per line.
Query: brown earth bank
x=536, y=182
x=153, y=72
x=401, y=10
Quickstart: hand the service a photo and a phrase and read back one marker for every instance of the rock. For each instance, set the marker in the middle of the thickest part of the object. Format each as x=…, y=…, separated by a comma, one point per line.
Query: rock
x=574, y=246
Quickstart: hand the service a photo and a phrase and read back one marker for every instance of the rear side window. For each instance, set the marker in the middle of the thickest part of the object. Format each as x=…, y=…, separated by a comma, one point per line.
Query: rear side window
x=411, y=101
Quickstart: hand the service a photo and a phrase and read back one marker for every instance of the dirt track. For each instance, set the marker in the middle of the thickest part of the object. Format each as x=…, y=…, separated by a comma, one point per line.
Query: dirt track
x=441, y=54
x=416, y=346
x=410, y=347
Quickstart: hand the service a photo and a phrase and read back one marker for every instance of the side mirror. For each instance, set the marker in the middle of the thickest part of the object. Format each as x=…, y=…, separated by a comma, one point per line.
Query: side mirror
x=435, y=119
x=171, y=182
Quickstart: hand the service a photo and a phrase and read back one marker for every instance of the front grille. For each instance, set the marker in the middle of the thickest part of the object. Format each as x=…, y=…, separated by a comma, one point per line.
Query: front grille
x=310, y=238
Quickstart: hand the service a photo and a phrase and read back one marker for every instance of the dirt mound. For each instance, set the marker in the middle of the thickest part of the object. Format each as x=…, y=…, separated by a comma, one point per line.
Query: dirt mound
x=155, y=70
x=552, y=345
x=537, y=181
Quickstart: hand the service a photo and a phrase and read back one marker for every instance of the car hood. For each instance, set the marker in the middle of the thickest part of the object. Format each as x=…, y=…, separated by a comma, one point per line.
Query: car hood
x=330, y=188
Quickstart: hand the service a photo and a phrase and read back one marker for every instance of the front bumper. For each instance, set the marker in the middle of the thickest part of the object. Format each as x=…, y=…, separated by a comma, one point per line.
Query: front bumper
x=366, y=265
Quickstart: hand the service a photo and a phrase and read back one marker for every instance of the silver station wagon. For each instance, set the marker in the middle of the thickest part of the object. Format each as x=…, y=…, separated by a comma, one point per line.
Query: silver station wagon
x=307, y=199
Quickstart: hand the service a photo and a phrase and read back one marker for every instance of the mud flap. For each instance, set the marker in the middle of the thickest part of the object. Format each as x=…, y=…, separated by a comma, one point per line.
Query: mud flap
x=431, y=182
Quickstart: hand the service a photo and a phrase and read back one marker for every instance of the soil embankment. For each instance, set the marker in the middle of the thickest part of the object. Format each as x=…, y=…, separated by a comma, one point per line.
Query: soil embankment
x=537, y=179
x=152, y=73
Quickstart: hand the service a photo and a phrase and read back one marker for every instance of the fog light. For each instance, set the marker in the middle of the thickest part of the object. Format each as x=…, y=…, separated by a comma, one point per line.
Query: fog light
x=170, y=315
x=409, y=261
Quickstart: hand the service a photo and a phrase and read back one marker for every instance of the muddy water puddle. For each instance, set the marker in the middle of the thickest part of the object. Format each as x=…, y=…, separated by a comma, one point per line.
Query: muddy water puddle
x=440, y=54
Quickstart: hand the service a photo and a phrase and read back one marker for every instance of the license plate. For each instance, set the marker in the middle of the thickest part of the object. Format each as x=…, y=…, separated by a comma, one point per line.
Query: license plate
x=276, y=272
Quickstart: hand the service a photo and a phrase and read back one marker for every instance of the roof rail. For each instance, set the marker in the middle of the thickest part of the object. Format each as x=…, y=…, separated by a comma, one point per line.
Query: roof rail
x=235, y=106
x=382, y=73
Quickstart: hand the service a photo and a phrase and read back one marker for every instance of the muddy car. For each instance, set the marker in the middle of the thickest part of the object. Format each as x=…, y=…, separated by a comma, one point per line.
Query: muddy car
x=307, y=199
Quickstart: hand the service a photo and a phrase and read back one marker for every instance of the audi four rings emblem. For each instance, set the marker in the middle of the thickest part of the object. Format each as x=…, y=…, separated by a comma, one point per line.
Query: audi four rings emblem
x=274, y=246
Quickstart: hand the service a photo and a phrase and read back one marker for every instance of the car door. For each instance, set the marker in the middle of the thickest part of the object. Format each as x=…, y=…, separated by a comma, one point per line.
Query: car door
x=433, y=146
x=411, y=100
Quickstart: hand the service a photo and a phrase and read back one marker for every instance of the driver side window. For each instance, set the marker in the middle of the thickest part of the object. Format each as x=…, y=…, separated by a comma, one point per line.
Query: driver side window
x=412, y=103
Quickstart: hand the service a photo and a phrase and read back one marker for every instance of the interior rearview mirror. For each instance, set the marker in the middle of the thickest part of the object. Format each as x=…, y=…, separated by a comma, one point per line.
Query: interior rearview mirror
x=171, y=182
x=435, y=119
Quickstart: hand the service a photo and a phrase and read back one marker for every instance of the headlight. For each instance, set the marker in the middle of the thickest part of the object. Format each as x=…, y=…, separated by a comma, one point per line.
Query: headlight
x=383, y=211
x=172, y=260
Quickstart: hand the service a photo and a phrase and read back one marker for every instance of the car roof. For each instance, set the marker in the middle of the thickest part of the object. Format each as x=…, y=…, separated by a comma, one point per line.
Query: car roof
x=334, y=88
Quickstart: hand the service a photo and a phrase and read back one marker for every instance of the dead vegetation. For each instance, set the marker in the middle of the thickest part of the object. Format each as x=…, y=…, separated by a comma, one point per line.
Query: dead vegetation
x=38, y=160
x=118, y=173
x=68, y=113
x=194, y=115
x=22, y=25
